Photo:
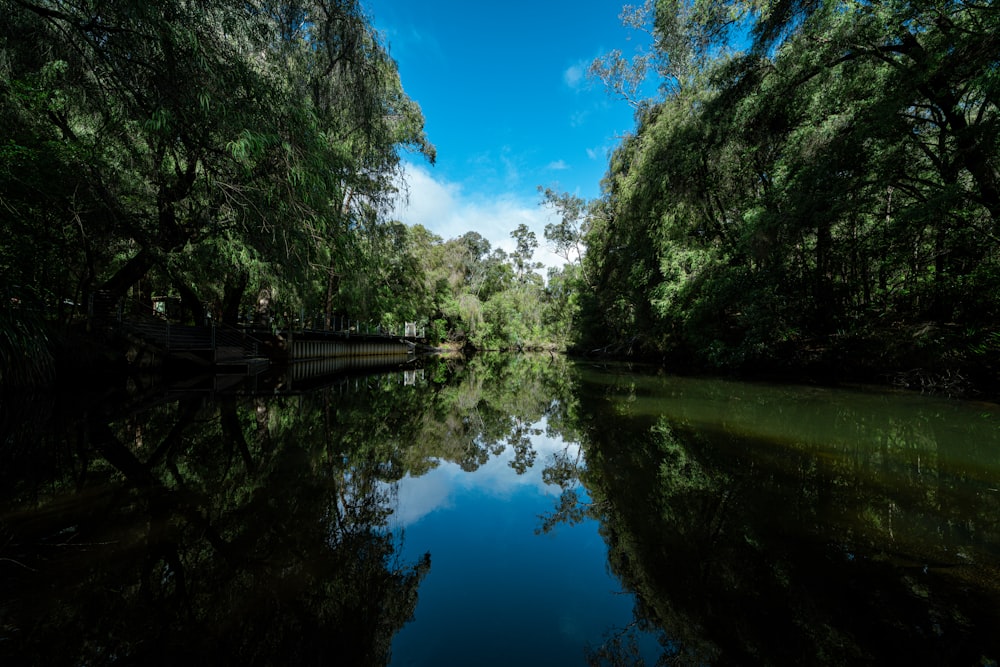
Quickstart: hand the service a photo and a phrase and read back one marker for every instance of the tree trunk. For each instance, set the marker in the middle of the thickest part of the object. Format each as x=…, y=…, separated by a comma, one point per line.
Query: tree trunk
x=232, y=297
x=232, y=431
x=823, y=289
x=115, y=287
x=262, y=312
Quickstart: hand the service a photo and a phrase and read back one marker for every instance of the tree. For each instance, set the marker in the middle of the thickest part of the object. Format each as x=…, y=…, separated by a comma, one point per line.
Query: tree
x=211, y=146
x=567, y=235
x=838, y=176
x=527, y=243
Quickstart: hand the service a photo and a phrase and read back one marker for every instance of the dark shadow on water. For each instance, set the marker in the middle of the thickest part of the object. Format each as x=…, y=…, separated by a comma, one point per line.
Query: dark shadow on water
x=186, y=529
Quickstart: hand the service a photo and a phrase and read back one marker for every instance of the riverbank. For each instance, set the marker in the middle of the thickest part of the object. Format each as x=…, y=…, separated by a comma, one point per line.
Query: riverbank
x=928, y=358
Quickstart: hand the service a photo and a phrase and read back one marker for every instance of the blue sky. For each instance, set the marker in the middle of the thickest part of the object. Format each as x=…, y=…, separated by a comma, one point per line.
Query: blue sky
x=507, y=103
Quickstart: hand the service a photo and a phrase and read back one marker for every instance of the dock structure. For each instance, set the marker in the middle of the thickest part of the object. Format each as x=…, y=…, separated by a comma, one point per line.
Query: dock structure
x=226, y=350
x=328, y=345
x=230, y=350
x=309, y=372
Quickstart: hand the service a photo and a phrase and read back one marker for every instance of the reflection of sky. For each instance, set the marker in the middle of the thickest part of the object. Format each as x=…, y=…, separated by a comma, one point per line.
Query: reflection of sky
x=440, y=487
x=498, y=593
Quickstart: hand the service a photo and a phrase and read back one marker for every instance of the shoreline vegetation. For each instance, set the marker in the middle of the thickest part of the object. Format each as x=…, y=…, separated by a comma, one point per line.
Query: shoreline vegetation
x=76, y=358
x=812, y=193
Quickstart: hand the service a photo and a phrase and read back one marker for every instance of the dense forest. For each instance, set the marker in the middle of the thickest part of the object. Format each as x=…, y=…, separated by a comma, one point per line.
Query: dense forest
x=813, y=187
x=238, y=158
x=218, y=152
x=827, y=196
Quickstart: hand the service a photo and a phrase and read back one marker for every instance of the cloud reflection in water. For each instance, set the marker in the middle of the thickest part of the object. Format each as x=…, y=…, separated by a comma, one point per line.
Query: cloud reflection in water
x=438, y=488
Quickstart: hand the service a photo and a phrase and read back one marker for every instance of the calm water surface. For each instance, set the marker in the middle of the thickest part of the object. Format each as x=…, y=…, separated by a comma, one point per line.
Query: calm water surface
x=504, y=510
x=501, y=591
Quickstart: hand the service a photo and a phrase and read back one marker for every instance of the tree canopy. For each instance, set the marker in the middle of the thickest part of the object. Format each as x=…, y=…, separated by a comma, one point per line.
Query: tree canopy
x=194, y=147
x=826, y=187
x=813, y=184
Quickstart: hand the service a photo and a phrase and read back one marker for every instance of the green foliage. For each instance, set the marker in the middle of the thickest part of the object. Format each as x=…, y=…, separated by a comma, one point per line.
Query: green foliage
x=460, y=290
x=219, y=149
x=837, y=178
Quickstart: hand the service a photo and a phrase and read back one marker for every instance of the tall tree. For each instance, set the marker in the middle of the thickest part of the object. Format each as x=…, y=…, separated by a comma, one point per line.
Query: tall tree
x=527, y=243
x=836, y=177
x=211, y=143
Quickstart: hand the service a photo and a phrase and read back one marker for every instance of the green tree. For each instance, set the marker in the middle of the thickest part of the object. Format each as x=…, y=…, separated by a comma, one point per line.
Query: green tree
x=527, y=243
x=213, y=148
x=831, y=183
x=566, y=236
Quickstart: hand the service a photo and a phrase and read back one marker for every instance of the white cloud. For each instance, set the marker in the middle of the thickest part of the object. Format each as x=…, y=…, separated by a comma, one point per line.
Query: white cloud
x=573, y=76
x=447, y=210
x=579, y=118
x=512, y=174
x=558, y=165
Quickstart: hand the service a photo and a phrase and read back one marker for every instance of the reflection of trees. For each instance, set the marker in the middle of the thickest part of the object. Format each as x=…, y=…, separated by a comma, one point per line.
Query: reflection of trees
x=747, y=549
x=246, y=532
x=250, y=530
x=490, y=403
x=565, y=470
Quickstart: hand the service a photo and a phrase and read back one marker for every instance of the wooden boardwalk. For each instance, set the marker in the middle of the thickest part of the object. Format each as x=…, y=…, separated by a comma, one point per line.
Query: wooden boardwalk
x=334, y=344
x=230, y=350
x=225, y=349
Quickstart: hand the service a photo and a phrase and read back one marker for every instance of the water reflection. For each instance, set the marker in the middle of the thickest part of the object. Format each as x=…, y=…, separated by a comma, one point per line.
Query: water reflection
x=261, y=523
x=503, y=591
x=501, y=476
x=768, y=525
x=246, y=530
x=289, y=521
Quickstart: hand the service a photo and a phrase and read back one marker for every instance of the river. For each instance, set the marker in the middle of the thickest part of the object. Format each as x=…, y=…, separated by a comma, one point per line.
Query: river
x=501, y=510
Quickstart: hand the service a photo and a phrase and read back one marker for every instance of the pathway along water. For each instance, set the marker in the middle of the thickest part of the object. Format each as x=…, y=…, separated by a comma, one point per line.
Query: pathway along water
x=510, y=509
